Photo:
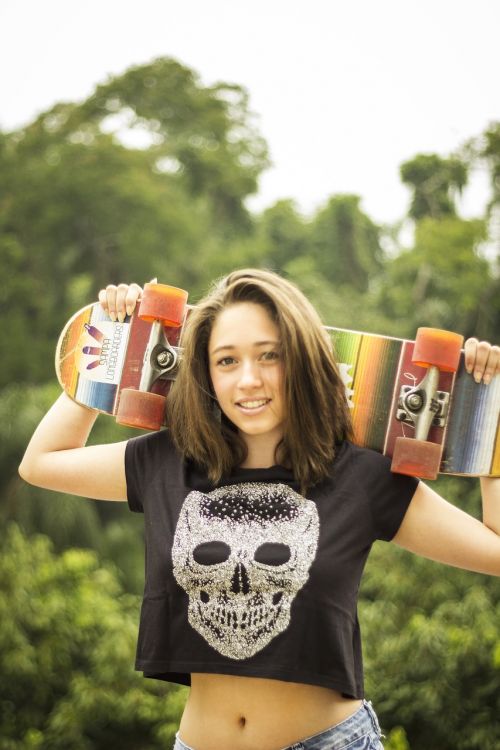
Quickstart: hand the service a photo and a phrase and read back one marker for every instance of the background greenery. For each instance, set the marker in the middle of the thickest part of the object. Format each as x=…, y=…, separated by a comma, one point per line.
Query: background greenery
x=81, y=207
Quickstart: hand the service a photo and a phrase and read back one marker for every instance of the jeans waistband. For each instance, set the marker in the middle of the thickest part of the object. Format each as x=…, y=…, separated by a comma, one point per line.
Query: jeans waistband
x=362, y=723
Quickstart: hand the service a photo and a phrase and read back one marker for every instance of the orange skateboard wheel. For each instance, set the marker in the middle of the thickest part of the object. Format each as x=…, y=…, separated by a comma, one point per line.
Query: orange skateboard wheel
x=416, y=458
x=164, y=303
x=140, y=409
x=437, y=348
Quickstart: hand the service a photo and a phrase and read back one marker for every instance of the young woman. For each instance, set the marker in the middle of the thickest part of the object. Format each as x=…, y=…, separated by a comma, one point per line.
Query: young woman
x=259, y=516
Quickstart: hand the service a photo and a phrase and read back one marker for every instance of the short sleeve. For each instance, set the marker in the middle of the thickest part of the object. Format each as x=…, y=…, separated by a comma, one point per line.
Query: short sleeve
x=151, y=465
x=389, y=494
x=134, y=468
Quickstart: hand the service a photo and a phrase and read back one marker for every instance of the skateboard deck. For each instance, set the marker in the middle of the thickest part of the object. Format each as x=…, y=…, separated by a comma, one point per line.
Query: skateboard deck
x=376, y=368
x=97, y=358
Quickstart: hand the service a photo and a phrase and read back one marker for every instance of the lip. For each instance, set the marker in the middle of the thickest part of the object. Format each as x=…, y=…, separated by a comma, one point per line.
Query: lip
x=247, y=405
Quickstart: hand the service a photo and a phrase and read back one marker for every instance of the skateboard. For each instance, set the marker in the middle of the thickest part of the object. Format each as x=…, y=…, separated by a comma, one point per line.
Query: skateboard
x=410, y=400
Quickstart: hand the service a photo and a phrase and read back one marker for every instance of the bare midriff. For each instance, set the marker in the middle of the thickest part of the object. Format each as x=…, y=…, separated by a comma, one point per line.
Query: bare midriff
x=243, y=713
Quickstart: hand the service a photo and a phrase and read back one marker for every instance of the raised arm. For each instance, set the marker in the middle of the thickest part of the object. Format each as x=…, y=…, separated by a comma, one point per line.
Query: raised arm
x=434, y=528
x=57, y=457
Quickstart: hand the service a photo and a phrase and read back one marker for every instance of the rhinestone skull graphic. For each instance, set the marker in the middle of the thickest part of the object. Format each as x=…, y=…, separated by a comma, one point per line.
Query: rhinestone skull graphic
x=242, y=553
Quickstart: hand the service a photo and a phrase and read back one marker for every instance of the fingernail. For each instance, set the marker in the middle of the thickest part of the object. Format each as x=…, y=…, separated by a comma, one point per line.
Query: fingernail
x=121, y=317
x=130, y=309
x=487, y=379
x=477, y=377
x=112, y=316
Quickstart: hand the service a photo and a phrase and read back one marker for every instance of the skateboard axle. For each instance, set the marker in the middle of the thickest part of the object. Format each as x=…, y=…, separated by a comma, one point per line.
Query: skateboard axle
x=166, y=359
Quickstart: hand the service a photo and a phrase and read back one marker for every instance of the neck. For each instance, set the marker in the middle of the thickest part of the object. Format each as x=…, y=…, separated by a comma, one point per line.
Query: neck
x=261, y=452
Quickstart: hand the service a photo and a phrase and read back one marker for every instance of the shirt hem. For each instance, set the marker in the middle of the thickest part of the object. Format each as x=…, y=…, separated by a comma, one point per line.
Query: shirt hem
x=179, y=672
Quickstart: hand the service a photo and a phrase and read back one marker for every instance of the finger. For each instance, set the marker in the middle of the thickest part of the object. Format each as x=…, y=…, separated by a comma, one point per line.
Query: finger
x=121, y=296
x=483, y=350
x=131, y=298
x=103, y=299
x=110, y=291
x=492, y=365
x=470, y=348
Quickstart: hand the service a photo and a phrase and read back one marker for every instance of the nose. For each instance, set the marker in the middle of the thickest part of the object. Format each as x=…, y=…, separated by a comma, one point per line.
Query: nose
x=240, y=583
x=250, y=376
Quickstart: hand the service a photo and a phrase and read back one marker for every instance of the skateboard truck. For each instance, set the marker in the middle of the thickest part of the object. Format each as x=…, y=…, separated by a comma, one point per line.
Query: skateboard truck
x=162, y=306
x=161, y=360
x=424, y=405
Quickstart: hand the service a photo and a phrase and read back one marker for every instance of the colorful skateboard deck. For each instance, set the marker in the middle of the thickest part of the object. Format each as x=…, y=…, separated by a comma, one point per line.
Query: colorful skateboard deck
x=97, y=358
x=376, y=368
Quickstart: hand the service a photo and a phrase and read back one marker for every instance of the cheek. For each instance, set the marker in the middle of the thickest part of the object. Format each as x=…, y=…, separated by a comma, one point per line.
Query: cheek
x=217, y=384
x=279, y=380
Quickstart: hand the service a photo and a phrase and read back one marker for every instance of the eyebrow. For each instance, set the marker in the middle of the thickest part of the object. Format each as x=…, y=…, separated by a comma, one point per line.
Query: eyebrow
x=231, y=347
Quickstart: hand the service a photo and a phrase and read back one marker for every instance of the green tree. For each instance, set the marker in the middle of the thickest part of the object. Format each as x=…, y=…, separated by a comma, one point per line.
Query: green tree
x=432, y=644
x=345, y=243
x=67, y=646
x=282, y=235
x=442, y=281
x=79, y=209
x=435, y=182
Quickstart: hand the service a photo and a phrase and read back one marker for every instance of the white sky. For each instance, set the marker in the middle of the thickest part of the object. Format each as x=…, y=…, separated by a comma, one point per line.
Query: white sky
x=344, y=91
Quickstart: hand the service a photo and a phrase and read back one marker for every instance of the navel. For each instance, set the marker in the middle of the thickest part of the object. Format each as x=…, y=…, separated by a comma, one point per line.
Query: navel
x=242, y=721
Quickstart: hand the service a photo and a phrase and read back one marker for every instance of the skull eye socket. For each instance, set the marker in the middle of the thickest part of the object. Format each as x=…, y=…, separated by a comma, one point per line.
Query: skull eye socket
x=272, y=553
x=211, y=553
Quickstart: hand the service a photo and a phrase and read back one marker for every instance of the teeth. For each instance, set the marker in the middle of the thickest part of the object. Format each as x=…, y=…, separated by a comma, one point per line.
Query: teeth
x=253, y=404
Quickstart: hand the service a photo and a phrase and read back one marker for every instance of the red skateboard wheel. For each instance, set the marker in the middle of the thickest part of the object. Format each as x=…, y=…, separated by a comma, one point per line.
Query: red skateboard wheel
x=416, y=458
x=437, y=348
x=164, y=303
x=140, y=409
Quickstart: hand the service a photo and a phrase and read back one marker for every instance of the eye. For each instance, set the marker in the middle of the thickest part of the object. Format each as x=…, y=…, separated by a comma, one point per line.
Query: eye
x=271, y=356
x=272, y=553
x=226, y=361
x=211, y=553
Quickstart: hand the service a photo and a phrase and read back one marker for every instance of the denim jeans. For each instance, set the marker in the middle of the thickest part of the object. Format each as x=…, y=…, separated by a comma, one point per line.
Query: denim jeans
x=360, y=731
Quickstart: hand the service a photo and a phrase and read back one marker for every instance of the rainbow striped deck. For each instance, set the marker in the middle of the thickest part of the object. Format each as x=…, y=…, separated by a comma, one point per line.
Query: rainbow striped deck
x=375, y=368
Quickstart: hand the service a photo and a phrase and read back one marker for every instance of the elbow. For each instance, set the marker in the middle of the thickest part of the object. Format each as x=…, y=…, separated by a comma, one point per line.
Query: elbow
x=23, y=472
x=26, y=472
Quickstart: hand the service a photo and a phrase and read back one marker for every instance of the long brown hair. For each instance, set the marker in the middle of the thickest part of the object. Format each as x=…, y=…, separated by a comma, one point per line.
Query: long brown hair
x=316, y=411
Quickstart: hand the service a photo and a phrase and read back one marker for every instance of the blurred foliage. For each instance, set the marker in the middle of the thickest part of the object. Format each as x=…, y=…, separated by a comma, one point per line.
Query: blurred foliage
x=432, y=645
x=443, y=281
x=67, y=646
x=435, y=183
x=149, y=177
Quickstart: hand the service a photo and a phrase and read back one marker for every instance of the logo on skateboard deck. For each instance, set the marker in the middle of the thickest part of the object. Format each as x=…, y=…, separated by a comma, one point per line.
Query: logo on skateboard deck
x=102, y=351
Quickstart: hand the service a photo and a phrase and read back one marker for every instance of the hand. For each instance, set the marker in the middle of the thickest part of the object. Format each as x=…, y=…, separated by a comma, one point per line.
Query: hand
x=121, y=300
x=482, y=360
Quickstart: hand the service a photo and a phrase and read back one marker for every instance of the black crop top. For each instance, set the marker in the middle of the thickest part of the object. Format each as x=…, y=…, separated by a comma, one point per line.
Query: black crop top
x=251, y=578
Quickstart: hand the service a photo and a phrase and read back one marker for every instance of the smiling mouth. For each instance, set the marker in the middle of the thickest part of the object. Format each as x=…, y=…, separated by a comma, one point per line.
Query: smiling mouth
x=254, y=404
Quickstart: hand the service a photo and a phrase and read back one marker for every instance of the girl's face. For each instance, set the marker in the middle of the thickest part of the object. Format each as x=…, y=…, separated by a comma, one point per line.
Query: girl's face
x=246, y=369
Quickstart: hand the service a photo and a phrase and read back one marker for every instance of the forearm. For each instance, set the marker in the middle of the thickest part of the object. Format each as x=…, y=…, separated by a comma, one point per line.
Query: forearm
x=66, y=425
x=490, y=491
